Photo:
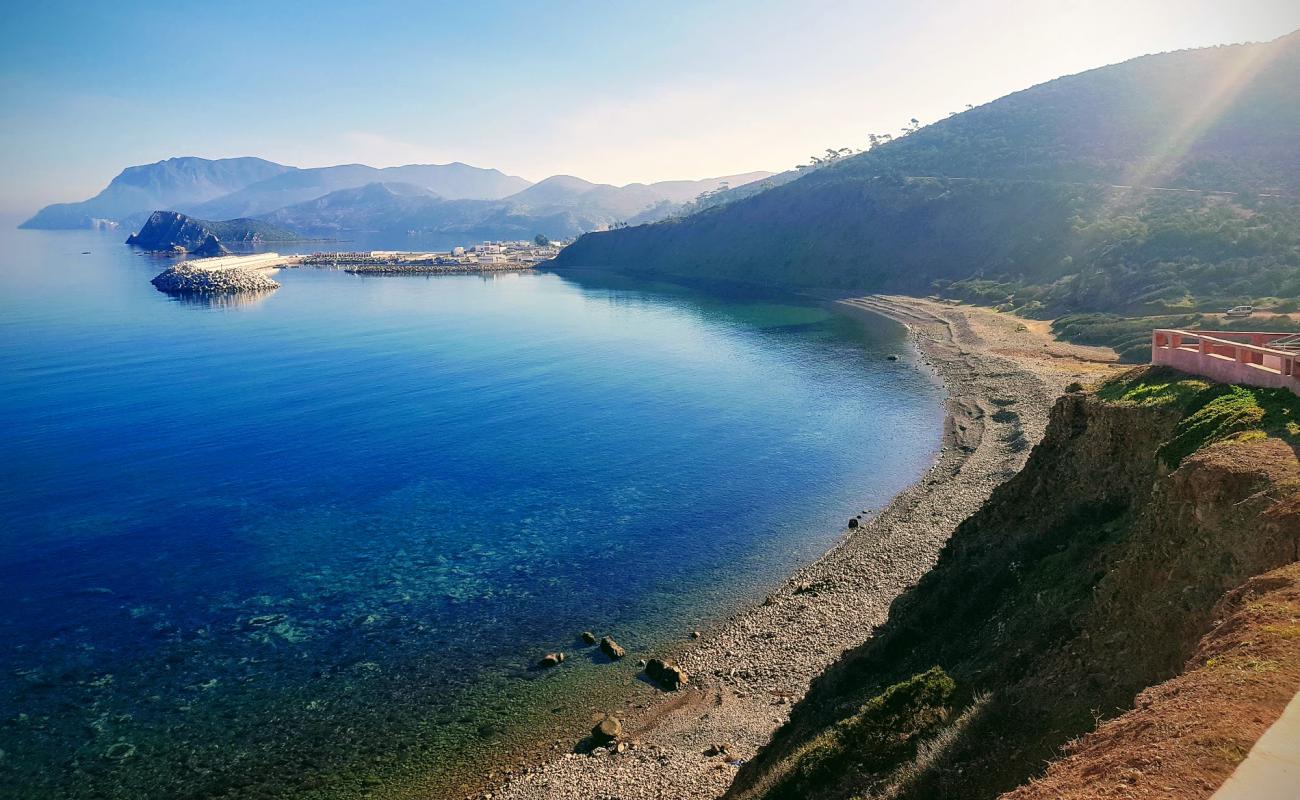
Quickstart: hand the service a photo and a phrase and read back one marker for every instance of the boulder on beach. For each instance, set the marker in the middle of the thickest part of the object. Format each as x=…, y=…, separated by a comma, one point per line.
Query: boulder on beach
x=610, y=648
x=666, y=673
x=607, y=730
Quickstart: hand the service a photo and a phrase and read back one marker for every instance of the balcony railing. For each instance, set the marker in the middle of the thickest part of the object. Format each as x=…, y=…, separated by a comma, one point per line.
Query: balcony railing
x=1254, y=358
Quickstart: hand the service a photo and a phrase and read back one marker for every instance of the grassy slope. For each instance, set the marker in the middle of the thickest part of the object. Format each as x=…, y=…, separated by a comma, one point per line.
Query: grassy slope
x=1010, y=204
x=1088, y=577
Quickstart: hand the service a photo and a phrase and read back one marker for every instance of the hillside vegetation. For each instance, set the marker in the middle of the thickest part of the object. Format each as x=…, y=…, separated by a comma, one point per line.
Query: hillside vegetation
x=1024, y=203
x=1090, y=576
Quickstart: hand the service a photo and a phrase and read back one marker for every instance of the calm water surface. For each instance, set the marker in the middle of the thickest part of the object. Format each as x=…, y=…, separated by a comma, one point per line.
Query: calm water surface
x=307, y=544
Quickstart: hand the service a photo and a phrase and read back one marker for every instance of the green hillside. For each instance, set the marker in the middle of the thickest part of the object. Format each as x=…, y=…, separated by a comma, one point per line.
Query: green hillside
x=1024, y=203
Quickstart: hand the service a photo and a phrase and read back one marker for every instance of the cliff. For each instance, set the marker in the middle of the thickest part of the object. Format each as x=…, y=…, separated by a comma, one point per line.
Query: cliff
x=174, y=231
x=1097, y=572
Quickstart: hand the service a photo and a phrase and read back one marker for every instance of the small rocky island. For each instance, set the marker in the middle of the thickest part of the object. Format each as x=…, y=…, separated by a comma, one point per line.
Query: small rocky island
x=172, y=231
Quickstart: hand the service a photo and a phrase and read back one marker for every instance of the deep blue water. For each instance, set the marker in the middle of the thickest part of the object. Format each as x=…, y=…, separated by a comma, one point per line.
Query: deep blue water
x=276, y=547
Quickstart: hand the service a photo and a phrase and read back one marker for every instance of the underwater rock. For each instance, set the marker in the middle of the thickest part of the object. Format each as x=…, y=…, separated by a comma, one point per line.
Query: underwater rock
x=588, y=637
x=119, y=751
x=550, y=660
x=264, y=621
x=610, y=648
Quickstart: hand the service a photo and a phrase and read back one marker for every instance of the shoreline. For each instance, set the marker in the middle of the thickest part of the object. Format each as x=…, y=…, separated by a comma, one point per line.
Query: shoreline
x=747, y=671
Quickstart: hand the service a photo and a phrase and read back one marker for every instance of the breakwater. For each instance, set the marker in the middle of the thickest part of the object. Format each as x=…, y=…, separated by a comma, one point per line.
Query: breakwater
x=185, y=278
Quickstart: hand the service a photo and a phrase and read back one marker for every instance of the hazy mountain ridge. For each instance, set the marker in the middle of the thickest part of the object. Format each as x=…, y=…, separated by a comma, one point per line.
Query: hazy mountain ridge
x=1013, y=203
x=433, y=199
x=172, y=183
x=454, y=181
x=560, y=207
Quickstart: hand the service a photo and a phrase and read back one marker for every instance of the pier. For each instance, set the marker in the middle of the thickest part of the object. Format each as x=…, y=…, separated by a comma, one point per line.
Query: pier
x=257, y=261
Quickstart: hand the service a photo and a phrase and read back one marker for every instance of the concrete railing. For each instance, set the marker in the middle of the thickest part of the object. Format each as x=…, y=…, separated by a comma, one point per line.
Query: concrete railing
x=1229, y=356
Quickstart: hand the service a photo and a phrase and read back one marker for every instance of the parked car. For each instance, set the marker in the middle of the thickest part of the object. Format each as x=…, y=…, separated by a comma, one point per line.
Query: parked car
x=1240, y=311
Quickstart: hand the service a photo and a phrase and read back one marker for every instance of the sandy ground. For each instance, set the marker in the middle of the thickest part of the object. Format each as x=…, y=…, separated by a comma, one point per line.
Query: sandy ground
x=1002, y=374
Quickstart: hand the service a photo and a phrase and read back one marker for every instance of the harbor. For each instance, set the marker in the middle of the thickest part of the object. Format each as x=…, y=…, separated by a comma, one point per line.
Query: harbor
x=239, y=273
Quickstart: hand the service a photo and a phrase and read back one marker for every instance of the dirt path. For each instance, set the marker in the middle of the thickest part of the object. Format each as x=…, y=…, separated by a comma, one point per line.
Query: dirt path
x=1002, y=375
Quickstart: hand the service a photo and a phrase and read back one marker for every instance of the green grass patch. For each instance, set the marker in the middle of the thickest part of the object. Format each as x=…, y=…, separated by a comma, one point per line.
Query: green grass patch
x=1212, y=412
x=867, y=746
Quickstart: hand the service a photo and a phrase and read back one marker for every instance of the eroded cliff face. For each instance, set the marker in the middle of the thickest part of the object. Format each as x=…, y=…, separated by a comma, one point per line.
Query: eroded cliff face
x=1090, y=576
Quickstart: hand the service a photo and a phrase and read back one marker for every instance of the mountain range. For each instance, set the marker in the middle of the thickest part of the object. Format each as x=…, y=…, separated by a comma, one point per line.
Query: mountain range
x=456, y=203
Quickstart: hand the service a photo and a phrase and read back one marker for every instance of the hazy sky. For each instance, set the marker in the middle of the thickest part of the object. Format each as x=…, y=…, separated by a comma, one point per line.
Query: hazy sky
x=611, y=91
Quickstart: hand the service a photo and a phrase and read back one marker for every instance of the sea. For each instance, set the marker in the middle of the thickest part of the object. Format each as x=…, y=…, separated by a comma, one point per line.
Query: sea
x=312, y=543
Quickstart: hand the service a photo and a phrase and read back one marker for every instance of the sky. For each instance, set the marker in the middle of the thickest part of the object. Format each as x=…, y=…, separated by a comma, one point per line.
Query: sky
x=611, y=91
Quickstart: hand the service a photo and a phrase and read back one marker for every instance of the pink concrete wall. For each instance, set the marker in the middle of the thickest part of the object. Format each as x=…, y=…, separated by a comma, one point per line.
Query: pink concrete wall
x=1221, y=369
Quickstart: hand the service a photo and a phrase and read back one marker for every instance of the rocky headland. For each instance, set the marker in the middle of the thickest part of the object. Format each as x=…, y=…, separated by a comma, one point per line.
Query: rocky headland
x=174, y=232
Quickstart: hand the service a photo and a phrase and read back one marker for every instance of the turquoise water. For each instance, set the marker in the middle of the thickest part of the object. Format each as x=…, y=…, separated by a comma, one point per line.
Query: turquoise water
x=311, y=541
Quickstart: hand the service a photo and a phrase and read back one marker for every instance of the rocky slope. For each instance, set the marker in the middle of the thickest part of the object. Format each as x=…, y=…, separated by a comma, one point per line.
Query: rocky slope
x=1090, y=576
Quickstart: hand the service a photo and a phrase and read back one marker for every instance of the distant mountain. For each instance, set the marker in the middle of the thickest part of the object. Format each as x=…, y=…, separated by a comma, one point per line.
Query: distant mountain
x=452, y=200
x=171, y=230
x=1014, y=203
x=396, y=211
x=248, y=187
x=621, y=202
x=176, y=182
x=454, y=181
x=560, y=207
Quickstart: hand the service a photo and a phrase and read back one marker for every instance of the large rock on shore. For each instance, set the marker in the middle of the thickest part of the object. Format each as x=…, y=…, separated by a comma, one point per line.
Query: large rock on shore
x=666, y=673
x=607, y=730
x=185, y=279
